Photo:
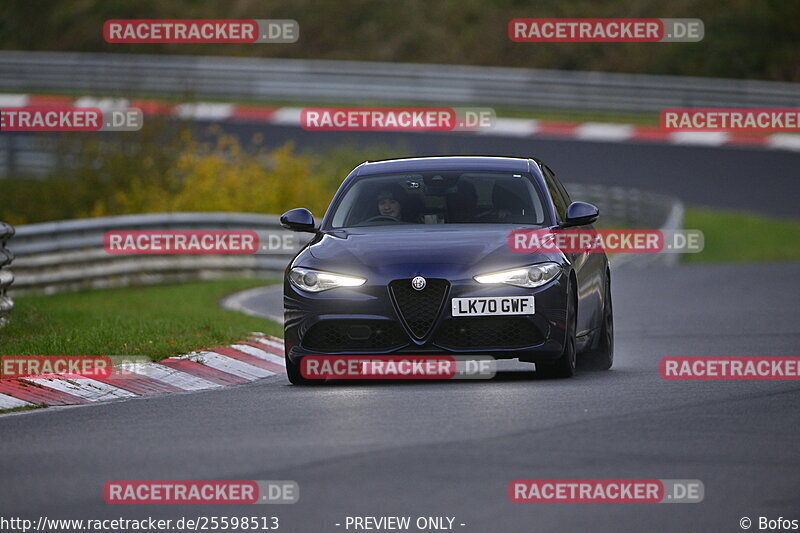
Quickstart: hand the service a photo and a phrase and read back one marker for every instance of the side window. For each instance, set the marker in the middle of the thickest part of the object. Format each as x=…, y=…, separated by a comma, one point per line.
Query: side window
x=564, y=194
x=555, y=192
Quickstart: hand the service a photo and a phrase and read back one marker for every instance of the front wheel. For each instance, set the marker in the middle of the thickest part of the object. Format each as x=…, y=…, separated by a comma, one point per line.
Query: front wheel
x=564, y=366
x=602, y=357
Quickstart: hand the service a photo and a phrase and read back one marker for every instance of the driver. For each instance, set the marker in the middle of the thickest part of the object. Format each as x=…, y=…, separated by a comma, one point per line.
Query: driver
x=389, y=202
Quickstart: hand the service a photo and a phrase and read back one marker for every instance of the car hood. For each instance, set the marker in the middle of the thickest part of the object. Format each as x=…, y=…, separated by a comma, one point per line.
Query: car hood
x=464, y=247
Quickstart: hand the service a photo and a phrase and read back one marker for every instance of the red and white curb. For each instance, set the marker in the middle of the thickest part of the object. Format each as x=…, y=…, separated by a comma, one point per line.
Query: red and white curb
x=256, y=358
x=505, y=127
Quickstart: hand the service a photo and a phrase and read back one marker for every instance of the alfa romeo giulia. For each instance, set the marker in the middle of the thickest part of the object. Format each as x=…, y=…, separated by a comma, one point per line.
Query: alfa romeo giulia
x=412, y=258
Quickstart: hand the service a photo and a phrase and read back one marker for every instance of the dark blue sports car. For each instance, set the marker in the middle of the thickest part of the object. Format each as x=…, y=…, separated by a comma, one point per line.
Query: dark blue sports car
x=413, y=258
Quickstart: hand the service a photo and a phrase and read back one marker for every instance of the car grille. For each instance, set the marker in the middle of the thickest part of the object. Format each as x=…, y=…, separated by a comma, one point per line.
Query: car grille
x=353, y=335
x=419, y=309
x=487, y=332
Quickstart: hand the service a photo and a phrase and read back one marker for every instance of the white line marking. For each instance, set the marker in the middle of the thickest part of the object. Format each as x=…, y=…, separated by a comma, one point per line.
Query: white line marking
x=173, y=377
x=261, y=354
x=230, y=365
x=104, y=104
x=205, y=111
x=604, y=132
x=235, y=301
x=9, y=402
x=13, y=100
x=707, y=138
x=784, y=141
x=511, y=127
x=272, y=341
x=86, y=388
x=286, y=115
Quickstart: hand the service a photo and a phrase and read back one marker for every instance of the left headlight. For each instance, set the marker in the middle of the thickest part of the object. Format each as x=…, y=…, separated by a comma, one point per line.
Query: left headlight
x=526, y=277
x=318, y=280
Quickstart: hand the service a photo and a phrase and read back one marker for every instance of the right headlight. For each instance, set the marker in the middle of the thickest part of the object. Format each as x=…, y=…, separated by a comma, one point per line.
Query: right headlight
x=318, y=280
x=526, y=277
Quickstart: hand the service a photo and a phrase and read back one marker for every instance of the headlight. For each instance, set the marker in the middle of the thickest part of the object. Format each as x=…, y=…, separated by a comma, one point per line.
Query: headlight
x=318, y=281
x=526, y=277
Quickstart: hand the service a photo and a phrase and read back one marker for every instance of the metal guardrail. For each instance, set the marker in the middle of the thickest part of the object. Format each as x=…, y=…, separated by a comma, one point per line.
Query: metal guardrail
x=69, y=255
x=626, y=207
x=6, y=277
x=259, y=79
x=633, y=208
x=377, y=83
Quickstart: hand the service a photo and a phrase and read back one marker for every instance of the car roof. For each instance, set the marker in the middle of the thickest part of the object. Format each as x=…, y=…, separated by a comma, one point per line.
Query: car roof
x=443, y=163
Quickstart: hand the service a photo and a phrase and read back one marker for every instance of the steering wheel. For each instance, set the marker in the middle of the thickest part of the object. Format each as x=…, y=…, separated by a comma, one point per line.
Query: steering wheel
x=386, y=218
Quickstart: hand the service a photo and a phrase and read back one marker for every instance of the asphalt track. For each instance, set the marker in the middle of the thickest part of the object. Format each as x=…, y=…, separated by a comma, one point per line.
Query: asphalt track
x=451, y=448
x=753, y=179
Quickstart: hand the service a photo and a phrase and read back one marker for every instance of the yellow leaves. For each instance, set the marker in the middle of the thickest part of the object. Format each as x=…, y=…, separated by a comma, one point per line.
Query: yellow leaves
x=14, y=219
x=221, y=176
x=228, y=178
x=153, y=174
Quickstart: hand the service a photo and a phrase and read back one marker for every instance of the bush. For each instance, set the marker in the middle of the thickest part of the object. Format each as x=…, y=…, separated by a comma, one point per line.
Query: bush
x=177, y=171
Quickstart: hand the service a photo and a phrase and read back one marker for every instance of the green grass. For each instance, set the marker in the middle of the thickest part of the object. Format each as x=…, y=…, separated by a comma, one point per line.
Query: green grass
x=733, y=236
x=23, y=408
x=157, y=321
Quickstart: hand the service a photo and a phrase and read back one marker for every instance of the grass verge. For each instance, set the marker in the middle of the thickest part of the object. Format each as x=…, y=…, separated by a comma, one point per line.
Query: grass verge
x=23, y=408
x=733, y=236
x=157, y=321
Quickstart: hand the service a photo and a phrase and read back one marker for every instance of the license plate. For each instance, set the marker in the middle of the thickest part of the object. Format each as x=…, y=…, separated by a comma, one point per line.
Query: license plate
x=494, y=305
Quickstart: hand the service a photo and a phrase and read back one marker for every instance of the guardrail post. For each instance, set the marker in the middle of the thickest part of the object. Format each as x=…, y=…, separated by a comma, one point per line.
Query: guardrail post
x=6, y=277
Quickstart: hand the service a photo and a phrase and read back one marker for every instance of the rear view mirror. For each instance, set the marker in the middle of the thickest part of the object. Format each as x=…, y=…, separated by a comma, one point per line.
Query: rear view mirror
x=580, y=214
x=299, y=219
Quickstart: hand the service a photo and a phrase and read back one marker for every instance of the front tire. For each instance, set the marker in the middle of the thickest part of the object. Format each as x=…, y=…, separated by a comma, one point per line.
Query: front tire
x=564, y=366
x=296, y=377
x=602, y=358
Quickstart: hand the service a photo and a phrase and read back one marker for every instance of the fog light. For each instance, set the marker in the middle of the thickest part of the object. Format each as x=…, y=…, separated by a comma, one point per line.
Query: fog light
x=359, y=333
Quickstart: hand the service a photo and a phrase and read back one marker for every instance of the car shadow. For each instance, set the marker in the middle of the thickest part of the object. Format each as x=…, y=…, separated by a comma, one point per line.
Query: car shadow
x=583, y=372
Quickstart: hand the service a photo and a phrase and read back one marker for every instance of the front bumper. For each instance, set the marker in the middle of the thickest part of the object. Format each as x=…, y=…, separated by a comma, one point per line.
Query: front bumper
x=369, y=320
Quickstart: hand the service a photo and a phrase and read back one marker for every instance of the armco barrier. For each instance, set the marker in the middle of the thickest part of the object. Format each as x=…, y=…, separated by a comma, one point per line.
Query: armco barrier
x=6, y=277
x=69, y=255
x=633, y=208
x=262, y=79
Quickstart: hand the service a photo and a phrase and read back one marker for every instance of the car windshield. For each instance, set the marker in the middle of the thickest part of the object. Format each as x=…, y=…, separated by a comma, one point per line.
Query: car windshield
x=441, y=198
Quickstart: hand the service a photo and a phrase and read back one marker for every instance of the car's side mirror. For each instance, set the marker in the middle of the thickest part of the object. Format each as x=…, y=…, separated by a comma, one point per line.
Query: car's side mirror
x=299, y=219
x=580, y=214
